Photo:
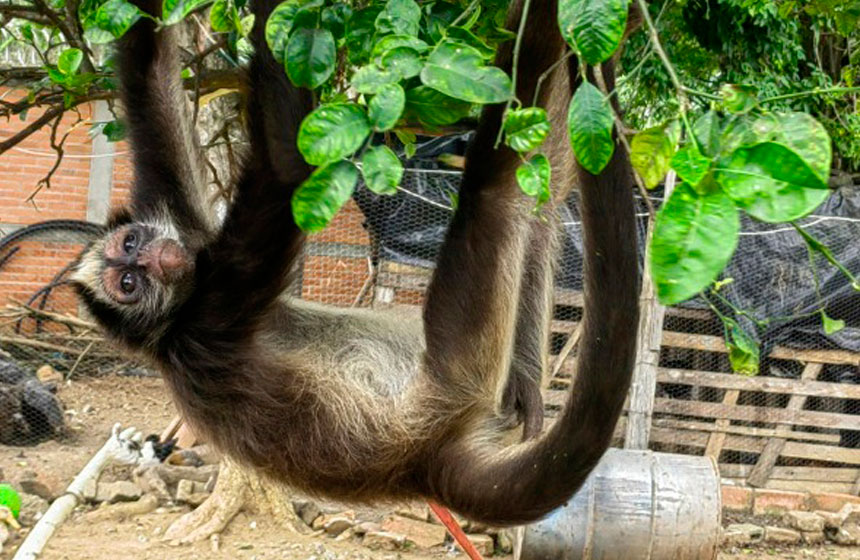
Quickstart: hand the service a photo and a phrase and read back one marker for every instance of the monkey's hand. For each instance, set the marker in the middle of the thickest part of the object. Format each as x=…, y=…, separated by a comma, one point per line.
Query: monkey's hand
x=124, y=446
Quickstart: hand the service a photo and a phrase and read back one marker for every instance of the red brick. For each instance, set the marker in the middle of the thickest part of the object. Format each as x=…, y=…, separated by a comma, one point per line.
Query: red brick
x=737, y=498
x=779, y=501
x=831, y=501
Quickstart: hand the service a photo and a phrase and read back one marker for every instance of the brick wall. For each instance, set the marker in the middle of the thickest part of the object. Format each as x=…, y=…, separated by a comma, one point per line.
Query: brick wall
x=332, y=272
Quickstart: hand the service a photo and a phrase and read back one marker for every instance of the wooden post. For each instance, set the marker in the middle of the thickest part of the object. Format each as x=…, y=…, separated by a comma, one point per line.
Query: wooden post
x=650, y=336
x=773, y=448
x=718, y=438
x=101, y=168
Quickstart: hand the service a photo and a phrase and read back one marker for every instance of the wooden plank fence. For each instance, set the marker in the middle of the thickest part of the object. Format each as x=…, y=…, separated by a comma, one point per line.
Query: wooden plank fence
x=774, y=432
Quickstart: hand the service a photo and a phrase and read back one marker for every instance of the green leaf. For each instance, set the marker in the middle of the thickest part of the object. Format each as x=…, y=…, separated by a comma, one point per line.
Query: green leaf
x=401, y=17
x=394, y=41
x=385, y=108
x=173, y=11
x=690, y=165
x=434, y=108
x=370, y=79
x=651, y=151
x=589, y=122
x=533, y=176
x=707, y=130
x=744, y=354
x=801, y=133
x=114, y=131
x=319, y=198
x=694, y=237
x=771, y=182
x=311, y=56
x=831, y=325
x=334, y=19
x=246, y=24
x=223, y=16
x=463, y=35
x=738, y=98
x=403, y=61
x=278, y=28
x=332, y=132
x=69, y=61
x=381, y=170
x=593, y=28
x=117, y=16
x=526, y=129
x=360, y=34
x=457, y=70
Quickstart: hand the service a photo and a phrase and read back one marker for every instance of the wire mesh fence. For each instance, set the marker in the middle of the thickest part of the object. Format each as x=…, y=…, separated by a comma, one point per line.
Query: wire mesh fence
x=794, y=425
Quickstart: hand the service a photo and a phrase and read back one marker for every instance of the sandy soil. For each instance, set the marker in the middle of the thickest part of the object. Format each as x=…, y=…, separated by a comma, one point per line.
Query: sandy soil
x=142, y=402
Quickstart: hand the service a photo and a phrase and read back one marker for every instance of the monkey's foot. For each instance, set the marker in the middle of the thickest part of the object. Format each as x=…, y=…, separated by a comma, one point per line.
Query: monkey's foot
x=237, y=489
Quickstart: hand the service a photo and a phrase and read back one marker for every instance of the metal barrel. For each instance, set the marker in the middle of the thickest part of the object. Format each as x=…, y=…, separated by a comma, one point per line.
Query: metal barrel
x=636, y=505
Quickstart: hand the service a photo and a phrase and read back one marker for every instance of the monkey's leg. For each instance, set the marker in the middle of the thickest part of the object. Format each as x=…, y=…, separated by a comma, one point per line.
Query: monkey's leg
x=471, y=309
x=522, y=399
x=535, y=306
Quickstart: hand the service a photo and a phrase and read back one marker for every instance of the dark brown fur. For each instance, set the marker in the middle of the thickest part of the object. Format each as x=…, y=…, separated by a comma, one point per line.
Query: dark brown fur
x=364, y=405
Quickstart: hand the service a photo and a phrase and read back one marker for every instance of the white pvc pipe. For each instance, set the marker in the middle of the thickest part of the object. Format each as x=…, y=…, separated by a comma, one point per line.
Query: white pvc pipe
x=122, y=447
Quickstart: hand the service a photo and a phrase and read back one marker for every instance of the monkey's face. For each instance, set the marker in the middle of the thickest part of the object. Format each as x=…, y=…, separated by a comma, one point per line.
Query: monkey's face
x=131, y=278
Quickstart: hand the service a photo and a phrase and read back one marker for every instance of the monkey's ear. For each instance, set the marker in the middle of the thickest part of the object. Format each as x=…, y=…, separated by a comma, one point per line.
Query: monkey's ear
x=119, y=217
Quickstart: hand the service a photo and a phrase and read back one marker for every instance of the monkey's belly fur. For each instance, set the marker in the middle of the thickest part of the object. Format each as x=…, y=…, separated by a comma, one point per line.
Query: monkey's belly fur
x=356, y=422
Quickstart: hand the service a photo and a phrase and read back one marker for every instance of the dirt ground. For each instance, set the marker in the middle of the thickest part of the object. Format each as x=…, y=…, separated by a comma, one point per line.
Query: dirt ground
x=94, y=405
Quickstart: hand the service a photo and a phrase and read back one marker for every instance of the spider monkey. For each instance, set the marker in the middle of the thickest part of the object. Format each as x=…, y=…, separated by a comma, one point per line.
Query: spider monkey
x=356, y=404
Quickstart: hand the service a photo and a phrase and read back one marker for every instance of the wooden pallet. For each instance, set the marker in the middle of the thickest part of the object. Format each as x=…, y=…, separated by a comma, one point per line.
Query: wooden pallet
x=784, y=443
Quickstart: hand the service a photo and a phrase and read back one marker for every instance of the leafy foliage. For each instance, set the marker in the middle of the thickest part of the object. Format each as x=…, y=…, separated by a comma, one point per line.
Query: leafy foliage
x=590, y=122
x=744, y=111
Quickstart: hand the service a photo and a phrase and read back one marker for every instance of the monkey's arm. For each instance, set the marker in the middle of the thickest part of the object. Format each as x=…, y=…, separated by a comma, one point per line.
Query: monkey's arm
x=259, y=240
x=168, y=173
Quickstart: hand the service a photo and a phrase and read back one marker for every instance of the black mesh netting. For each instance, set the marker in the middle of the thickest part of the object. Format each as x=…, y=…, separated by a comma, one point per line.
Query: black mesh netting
x=379, y=252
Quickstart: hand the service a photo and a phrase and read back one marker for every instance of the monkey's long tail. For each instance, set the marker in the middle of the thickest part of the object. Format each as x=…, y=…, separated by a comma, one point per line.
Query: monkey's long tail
x=525, y=482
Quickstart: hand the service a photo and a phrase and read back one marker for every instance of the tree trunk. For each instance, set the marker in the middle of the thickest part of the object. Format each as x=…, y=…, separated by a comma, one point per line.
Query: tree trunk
x=238, y=489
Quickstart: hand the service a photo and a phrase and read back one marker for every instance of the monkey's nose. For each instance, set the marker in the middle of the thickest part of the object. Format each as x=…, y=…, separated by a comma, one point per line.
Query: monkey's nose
x=165, y=259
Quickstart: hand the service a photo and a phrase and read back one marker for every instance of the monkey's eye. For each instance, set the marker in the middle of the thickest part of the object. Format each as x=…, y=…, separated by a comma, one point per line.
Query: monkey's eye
x=129, y=243
x=128, y=283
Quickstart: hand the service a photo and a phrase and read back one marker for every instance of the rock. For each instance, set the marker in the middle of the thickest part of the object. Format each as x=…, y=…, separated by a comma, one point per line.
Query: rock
x=421, y=533
x=337, y=524
x=191, y=492
x=414, y=510
x=124, y=510
x=850, y=513
x=2, y=476
x=366, y=527
x=804, y=521
x=484, y=543
x=779, y=535
x=307, y=510
x=47, y=374
x=120, y=491
x=32, y=509
x=31, y=484
x=505, y=541
x=848, y=534
x=382, y=540
x=831, y=520
x=90, y=489
x=812, y=537
x=742, y=534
